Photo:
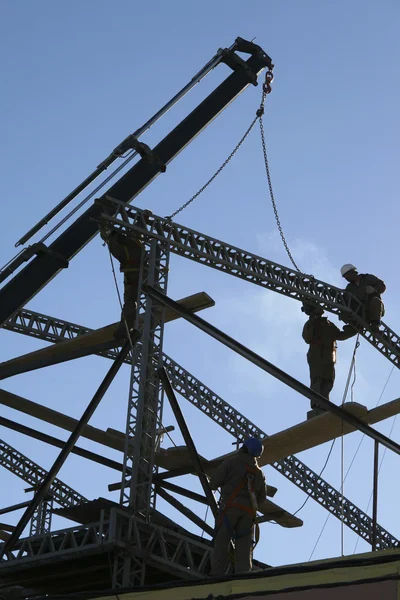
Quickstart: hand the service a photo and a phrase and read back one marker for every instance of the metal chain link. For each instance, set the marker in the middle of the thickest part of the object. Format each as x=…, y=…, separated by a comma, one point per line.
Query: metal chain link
x=266, y=90
x=231, y=155
x=259, y=116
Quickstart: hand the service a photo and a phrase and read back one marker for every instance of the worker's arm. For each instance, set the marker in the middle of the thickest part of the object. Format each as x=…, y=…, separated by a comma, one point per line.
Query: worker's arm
x=219, y=475
x=261, y=492
x=344, y=334
x=378, y=285
x=308, y=331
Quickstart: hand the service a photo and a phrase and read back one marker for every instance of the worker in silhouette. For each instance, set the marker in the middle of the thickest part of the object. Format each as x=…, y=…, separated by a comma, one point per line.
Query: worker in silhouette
x=243, y=488
x=322, y=336
x=128, y=250
x=368, y=289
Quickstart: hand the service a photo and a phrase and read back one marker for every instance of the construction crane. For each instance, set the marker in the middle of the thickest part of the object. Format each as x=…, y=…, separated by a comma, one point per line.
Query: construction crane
x=44, y=262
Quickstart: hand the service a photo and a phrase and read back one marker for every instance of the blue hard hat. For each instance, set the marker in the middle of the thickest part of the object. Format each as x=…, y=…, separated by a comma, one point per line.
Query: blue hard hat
x=254, y=446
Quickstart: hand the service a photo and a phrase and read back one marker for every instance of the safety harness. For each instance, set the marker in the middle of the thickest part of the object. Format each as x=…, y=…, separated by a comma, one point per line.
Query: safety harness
x=247, y=481
x=318, y=340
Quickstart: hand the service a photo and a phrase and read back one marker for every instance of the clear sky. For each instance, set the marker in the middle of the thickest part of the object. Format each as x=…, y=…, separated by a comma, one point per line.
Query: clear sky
x=77, y=77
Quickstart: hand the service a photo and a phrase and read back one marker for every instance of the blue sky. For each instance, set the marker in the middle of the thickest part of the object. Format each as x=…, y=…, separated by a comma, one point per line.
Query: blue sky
x=79, y=76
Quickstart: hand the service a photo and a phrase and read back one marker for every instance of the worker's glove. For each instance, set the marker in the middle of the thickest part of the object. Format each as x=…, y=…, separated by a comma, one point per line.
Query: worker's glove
x=370, y=290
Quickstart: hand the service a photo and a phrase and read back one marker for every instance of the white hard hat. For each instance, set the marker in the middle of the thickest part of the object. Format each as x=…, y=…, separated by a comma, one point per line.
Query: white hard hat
x=346, y=268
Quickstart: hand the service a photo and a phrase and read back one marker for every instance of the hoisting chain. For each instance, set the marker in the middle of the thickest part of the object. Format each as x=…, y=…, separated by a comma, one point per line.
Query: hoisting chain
x=267, y=90
x=231, y=155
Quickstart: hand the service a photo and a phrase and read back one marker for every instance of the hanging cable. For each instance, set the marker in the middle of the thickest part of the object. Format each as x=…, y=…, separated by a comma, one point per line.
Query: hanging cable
x=226, y=161
x=320, y=475
x=346, y=389
x=342, y=493
x=379, y=470
x=266, y=90
x=205, y=520
x=354, y=457
x=333, y=441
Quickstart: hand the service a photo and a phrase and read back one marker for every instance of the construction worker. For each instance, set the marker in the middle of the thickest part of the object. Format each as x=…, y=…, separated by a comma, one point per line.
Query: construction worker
x=243, y=488
x=128, y=250
x=322, y=335
x=368, y=289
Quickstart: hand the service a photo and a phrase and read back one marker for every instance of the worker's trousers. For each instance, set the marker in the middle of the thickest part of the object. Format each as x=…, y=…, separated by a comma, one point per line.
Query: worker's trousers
x=238, y=526
x=129, y=309
x=322, y=386
x=374, y=310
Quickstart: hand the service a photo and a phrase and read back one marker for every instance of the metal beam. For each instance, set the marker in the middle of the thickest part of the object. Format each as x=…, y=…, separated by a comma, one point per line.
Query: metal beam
x=273, y=370
x=226, y=416
x=48, y=480
x=41, y=270
x=14, y=507
x=53, y=441
x=194, y=457
x=49, y=415
x=180, y=490
x=189, y=514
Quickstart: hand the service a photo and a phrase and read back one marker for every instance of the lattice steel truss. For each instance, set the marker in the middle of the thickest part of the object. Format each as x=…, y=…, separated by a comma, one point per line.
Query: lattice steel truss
x=31, y=473
x=144, y=406
x=41, y=520
x=225, y=257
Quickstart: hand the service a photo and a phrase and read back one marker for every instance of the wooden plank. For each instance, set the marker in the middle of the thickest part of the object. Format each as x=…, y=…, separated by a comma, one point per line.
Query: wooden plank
x=301, y=437
x=274, y=512
x=95, y=341
x=178, y=456
x=308, y=434
x=59, y=419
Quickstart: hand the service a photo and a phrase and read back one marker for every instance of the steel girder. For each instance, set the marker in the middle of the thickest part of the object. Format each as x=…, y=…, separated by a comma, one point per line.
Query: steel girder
x=242, y=264
x=54, y=330
x=31, y=473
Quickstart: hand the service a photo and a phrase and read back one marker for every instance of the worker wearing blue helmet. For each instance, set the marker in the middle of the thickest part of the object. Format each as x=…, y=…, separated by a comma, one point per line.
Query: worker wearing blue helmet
x=243, y=488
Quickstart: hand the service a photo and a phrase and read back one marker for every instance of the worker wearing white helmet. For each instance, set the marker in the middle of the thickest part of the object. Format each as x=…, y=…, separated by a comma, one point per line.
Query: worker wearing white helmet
x=368, y=289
